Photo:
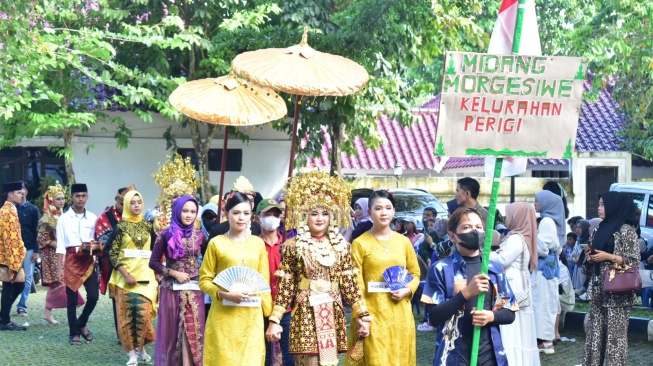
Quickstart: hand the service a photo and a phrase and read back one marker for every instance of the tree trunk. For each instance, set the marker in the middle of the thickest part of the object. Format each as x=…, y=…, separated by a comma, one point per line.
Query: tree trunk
x=68, y=135
x=335, y=133
x=202, y=147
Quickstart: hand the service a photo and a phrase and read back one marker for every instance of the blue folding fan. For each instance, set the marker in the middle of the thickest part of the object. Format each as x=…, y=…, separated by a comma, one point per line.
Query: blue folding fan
x=242, y=279
x=397, y=277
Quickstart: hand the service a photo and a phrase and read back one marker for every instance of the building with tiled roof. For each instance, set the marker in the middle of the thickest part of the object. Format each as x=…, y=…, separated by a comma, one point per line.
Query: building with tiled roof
x=413, y=146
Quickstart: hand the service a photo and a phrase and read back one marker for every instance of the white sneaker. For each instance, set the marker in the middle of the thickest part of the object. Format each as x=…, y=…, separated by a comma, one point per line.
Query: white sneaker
x=583, y=297
x=425, y=327
x=547, y=351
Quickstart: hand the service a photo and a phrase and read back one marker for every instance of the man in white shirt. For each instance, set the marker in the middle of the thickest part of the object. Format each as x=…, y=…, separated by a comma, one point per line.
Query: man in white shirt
x=75, y=226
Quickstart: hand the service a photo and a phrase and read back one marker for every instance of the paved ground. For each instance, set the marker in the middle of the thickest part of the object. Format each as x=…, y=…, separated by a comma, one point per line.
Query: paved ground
x=44, y=345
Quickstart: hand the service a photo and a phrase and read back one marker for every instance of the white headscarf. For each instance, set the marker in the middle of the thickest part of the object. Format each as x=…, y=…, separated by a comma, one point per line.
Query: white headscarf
x=552, y=207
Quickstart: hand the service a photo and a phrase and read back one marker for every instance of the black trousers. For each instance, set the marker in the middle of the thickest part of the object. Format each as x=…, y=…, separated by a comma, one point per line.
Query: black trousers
x=92, y=286
x=10, y=292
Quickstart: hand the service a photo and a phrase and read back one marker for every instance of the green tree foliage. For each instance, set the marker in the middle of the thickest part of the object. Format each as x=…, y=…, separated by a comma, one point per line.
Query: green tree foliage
x=208, y=18
x=60, y=58
x=617, y=37
x=391, y=39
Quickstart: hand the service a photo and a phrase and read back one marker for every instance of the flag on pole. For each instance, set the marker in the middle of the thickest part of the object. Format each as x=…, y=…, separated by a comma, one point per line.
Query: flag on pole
x=501, y=43
x=504, y=30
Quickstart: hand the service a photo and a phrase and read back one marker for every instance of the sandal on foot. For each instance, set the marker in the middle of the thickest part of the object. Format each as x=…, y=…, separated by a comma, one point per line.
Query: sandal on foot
x=88, y=336
x=146, y=358
x=74, y=341
x=132, y=362
x=21, y=312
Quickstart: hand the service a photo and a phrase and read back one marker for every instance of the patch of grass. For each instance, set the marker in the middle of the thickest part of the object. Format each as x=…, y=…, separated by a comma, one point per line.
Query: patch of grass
x=47, y=345
x=637, y=311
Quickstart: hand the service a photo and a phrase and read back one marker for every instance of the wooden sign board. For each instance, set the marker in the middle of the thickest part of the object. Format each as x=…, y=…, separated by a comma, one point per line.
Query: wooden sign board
x=509, y=105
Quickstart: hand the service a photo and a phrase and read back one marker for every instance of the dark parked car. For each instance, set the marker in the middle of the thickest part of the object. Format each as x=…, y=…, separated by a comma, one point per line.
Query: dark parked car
x=410, y=202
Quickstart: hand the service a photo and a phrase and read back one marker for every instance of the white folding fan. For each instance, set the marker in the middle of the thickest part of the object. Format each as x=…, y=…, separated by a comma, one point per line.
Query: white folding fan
x=242, y=279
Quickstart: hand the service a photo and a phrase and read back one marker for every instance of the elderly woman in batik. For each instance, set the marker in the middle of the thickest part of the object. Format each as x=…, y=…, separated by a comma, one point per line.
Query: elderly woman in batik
x=317, y=273
x=180, y=324
x=133, y=282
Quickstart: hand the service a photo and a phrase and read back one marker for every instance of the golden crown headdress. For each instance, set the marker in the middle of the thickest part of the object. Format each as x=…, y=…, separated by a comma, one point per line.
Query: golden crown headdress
x=243, y=185
x=55, y=190
x=177, y=171
x=131, y=187
x=316, y=189
x=178, y=188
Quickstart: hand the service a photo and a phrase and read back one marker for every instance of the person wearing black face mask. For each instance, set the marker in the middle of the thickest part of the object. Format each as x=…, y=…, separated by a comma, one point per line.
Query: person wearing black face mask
x=452, y=286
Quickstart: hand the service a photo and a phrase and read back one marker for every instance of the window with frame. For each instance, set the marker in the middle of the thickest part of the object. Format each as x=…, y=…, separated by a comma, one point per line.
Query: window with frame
x=638, y=200
x=550, y=173
x=234, y=159
x=31, y=164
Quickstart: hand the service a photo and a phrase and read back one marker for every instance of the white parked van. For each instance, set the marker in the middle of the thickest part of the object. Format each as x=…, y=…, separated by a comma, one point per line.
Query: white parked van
x=642, y=194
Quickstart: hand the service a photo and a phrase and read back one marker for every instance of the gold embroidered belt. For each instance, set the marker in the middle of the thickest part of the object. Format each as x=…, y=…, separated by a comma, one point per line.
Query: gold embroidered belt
x=317, y=286
x=313, y=287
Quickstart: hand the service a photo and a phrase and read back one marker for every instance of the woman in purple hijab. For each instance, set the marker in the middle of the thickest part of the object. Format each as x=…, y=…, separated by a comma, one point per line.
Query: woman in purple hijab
x=180, y=325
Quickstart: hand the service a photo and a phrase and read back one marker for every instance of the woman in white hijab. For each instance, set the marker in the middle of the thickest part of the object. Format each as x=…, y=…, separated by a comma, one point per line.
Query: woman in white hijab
x=550, y=238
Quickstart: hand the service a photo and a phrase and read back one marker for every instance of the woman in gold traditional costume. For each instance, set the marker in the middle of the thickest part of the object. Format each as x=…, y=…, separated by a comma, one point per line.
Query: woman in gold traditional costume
x=317, y=272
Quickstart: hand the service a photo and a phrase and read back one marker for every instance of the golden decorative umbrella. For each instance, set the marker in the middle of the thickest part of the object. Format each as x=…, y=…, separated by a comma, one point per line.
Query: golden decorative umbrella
x=228, y=101
x=301, y=70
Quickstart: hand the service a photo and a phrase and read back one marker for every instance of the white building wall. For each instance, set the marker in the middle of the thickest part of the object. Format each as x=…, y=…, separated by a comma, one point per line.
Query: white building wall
x=106, y=168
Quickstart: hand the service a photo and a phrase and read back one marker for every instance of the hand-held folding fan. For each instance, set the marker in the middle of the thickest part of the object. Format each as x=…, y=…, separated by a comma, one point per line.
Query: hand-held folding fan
x=397, y=277
x=242, y=279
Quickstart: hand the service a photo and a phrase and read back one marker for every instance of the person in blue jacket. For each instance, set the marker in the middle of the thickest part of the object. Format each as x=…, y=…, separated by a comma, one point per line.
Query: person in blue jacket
x=452, y=286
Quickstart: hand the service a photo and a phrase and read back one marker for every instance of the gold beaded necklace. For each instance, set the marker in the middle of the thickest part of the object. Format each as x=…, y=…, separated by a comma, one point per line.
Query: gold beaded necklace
x=386, y=248
x=233, y=243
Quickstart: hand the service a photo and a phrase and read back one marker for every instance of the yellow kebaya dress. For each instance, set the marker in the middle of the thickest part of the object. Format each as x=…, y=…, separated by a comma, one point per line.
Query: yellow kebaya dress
x=392, y=334
x=234, y=335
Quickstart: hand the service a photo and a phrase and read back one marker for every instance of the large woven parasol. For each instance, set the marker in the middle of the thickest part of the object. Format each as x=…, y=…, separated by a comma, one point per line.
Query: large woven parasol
x=228, y=101
x=301, y=70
